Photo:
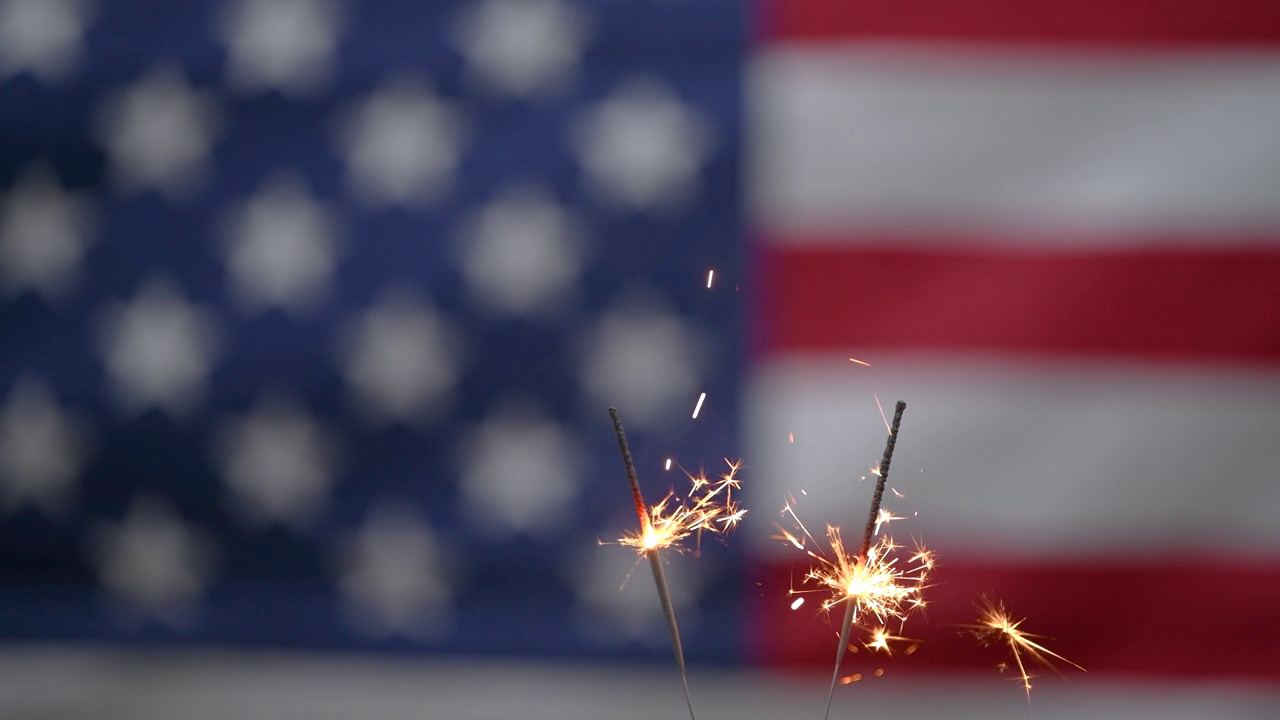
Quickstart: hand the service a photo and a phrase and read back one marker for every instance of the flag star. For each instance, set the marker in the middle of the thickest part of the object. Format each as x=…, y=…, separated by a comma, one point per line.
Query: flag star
x=617, y=603
x=642, y=361
x=521, y=47
x=43, y=234
x=400, y=359
x=521, y=253
x=401, y=145
x=278, y=463
x=393, y=575
x=153, y=561
x=42, y=37
x=159, y=133
x=42, y=450
x=158, y=350
x=519, y=474
x=286, y=45
x=281, y=249
x=641, y=147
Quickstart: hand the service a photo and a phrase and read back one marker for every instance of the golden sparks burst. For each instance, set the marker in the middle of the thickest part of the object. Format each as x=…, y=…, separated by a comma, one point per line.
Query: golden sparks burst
x=996, y=626
x=709, y=506
x=887, y=585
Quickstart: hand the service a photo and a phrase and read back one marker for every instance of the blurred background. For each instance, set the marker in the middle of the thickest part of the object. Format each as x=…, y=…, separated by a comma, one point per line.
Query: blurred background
x=311, y=312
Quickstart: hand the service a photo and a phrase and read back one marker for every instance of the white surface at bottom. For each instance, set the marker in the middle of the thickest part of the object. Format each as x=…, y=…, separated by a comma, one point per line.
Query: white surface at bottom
x=57, y=682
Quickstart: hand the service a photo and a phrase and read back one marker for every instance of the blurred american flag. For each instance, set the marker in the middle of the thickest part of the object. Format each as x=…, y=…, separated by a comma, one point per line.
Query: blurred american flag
x=311, y=310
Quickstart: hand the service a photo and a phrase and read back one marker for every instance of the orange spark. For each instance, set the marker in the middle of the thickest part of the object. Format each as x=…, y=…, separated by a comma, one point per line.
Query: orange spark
x=880, y=638
x=995, y=625
x=860, y=362
x=881, y=409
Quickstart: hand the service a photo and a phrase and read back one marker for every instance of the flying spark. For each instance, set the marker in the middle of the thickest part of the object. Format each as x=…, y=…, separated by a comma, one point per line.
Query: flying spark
x=710, y=274
x=880, y=639
x=882, y=417
x=698, y=408
x=668, y=465
x=860, y=362
x=995, y=626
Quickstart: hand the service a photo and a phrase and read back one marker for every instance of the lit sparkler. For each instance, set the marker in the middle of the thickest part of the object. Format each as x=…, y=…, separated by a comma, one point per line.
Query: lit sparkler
x=878, y=582
x=995, y=626
x=709, y=507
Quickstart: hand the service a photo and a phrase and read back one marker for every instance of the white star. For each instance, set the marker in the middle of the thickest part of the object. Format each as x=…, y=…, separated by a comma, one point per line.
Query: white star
x=641, y=148
x=617, y=602
x=278, y=463
x=42, y=450
x=41, y=37
x=158, y=350
x=400, y=360
x=152, y=561
x=643, y=361
x=519, y=474
x=521, y=254
x=287, y=45
x=43, y=234
x=401, y=145
x=281, y=248
x=521, y=47
x=158, y=134
x=393, y=575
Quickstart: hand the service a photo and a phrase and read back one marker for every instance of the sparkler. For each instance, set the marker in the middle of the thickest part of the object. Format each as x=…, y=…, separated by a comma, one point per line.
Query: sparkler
x=872, y=583
x=708, y=507
x=995, y=625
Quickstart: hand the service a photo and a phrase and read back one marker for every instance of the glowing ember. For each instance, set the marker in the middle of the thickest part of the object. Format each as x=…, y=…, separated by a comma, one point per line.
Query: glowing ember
x=880, y=639
x=698, y=408
x=995, y=626
x=860, y=362
x=709, y=506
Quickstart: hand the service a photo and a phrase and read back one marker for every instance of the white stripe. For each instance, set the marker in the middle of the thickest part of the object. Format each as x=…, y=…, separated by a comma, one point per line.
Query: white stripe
x=883, y=138
x=1017, y=460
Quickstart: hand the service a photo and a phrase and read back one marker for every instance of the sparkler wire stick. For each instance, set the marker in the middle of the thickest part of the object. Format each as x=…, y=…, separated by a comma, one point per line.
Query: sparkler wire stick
x=846, y=626
x=655, y=561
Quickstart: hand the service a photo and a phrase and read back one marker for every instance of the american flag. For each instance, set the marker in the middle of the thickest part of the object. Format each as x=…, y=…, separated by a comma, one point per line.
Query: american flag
x=311, y=312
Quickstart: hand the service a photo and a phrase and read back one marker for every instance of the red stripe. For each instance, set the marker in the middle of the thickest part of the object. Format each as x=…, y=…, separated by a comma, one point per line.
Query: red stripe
x=1167, y=304
x=1190, y=618
x=1149, y=22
